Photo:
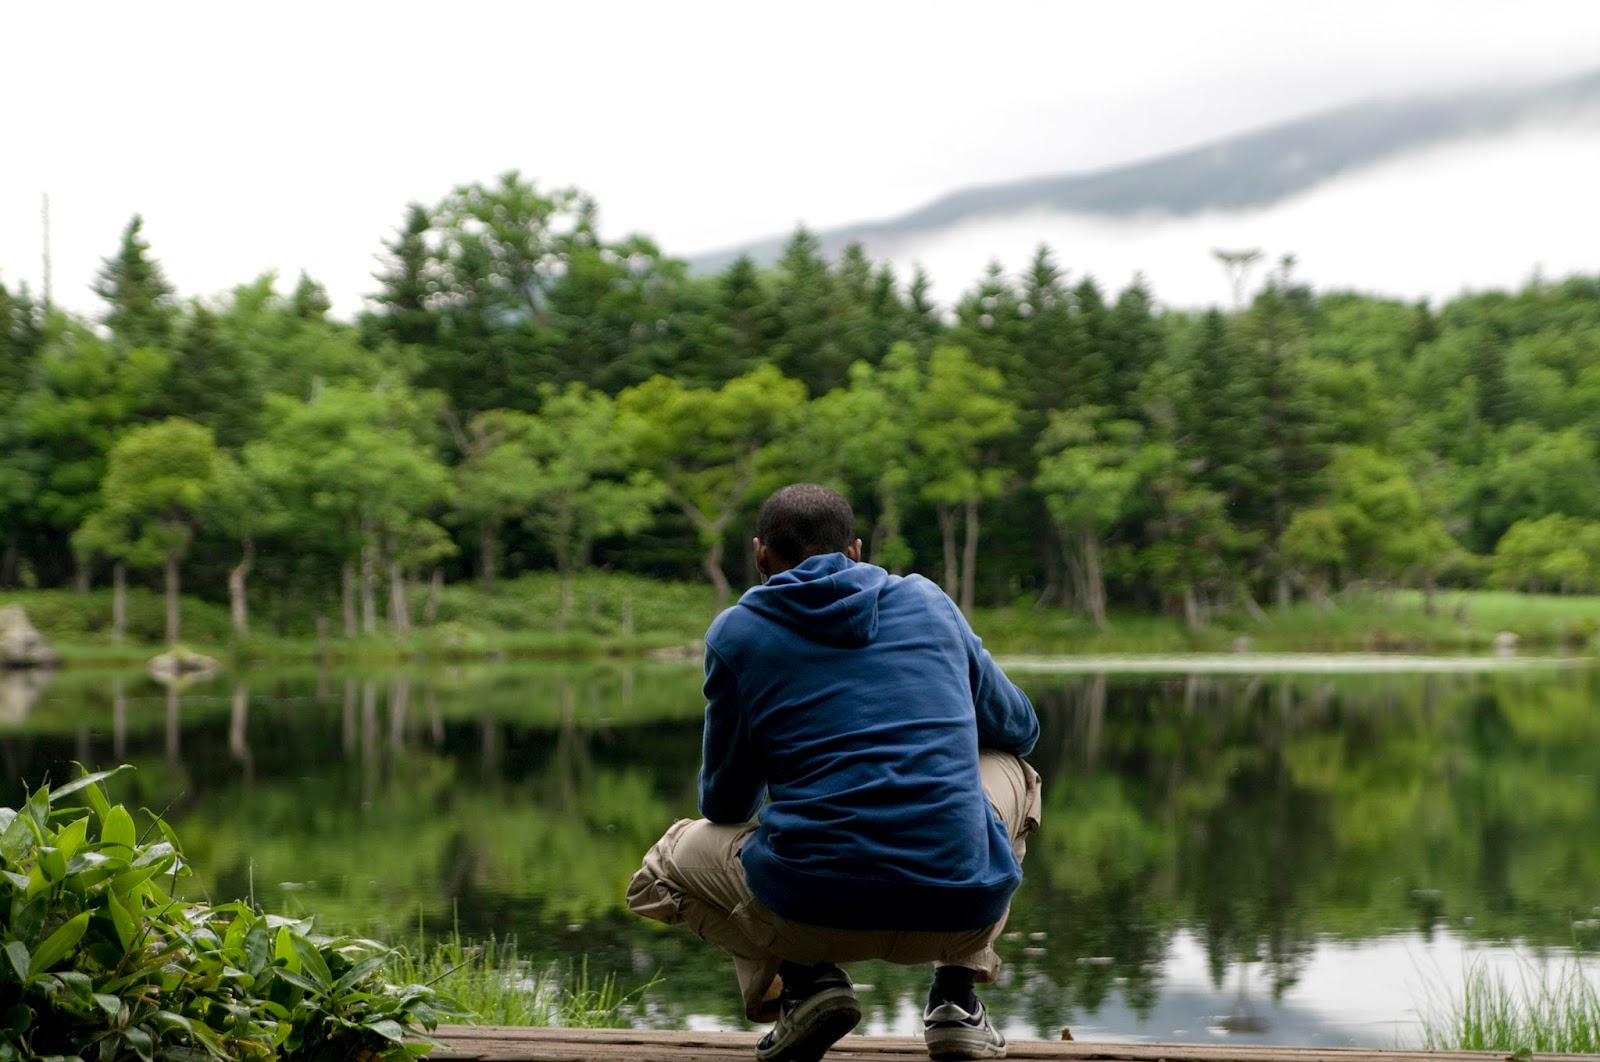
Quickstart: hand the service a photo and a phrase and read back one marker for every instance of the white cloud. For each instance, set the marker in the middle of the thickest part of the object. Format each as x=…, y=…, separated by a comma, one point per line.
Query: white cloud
x=293, y=135
x=1473, y=215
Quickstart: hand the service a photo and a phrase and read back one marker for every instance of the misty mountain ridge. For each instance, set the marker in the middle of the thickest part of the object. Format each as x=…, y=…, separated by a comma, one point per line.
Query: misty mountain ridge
x=1245, y=172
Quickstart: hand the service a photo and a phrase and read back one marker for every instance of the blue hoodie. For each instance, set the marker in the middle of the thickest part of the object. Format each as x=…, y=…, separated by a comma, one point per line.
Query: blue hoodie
x=858, y=700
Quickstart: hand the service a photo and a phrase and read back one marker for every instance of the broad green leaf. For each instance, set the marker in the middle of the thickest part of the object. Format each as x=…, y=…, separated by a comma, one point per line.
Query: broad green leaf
x=139, y=1040
x=16, y=838
x=130, y=879
x=72, y=837
x=17, y=952
x=299, y=980
x=53, y=863
x=89, y=781
x=389, y=1029
x=38, y=809
x=19, y=881
x=16, y=1019
x=117, y=829
x=59, y=944
x=283, y=950
x=167, y=832
x=358, y=972
x=122, y=921
x=112, y=1005
x=312, y=962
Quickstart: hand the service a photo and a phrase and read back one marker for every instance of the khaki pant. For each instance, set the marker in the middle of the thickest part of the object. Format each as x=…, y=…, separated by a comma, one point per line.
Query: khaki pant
x=694, y=875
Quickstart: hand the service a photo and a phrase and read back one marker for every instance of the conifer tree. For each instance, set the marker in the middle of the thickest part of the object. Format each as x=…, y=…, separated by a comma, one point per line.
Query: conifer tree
x=140, y=310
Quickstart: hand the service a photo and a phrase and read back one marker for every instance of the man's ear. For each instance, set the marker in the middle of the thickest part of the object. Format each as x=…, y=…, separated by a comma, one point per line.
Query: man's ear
x=853, y=551
x=761, y=559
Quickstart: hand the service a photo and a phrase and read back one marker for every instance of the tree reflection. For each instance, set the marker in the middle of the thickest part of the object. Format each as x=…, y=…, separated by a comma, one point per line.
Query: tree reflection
x=1259, y=814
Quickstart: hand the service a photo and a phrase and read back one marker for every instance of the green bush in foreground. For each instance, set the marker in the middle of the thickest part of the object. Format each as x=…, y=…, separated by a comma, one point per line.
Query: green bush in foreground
x=1541, y=1010
x=102, y=964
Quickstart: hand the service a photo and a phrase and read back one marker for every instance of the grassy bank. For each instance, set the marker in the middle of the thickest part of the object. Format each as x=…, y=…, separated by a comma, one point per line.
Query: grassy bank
x=497, y=987
x=1541, y=1008
x=610, y=614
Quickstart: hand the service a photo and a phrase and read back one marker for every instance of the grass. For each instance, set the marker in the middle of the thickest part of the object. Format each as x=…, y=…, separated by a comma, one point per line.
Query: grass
x=608, y=614
x=1543, y=1008
x=613, y=614
x=498, y=987
x=1459, y=621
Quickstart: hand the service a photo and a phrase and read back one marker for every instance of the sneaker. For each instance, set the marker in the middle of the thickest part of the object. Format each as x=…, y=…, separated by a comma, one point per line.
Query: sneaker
x=808, y=1025
x=954, y=1033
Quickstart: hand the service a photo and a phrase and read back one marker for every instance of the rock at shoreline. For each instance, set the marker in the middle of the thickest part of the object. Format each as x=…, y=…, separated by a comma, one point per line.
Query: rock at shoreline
x=19, y=689
x=1506, y=643
x=686, y=653
x=178, y=664
x=21, y=645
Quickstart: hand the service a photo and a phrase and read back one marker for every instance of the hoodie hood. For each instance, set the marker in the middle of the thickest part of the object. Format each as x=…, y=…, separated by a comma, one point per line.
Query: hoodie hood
x=829, y=599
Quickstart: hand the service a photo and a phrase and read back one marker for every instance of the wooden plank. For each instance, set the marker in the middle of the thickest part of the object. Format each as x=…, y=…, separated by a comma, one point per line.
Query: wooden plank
x=518, y=1044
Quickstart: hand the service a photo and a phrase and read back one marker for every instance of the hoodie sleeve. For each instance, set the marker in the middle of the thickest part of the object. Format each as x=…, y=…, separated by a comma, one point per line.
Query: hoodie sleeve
x=1006, y=719
x=731, y=781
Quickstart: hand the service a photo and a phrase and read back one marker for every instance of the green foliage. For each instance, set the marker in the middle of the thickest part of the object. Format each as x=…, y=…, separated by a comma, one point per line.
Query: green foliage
x=495, y=986
x=1544, y=1008
x=139, y=306
x=1115, y=454
x=103, y=962
x=159, y=479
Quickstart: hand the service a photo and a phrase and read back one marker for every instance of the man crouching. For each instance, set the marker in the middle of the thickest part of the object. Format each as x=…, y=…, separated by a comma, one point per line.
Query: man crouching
x=887, y=743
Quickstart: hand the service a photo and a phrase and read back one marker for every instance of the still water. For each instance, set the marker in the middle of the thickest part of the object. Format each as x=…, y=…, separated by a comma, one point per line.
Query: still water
x=1279, y=859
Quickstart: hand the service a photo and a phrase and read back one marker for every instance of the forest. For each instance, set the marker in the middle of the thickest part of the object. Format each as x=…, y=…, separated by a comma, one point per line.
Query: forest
x=524, y=395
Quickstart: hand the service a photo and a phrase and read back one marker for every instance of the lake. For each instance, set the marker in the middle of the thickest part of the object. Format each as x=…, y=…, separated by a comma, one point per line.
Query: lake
x=1292, y=859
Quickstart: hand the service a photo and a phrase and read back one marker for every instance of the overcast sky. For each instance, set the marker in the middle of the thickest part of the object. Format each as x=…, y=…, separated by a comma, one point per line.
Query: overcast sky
x=292, y=135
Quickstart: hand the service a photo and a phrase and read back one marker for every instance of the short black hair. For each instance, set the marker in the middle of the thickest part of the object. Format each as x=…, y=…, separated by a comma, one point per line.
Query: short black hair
x=806, y=520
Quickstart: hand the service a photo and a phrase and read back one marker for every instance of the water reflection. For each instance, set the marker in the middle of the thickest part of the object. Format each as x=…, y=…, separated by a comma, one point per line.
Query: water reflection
x=1211, y=844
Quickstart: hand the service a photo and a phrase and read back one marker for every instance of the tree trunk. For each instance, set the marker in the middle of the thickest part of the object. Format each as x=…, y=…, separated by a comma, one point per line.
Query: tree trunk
x=430, y=610
x=712, y=565
x=80, y=576
x=399, y=607
x=1051, y=562
x=238, y=603
x=119, y=602
x=947, y=530
x=564, y=613
x=1285, y=591
x=969, y=559
x=1094, y=583
x=239, y=730
x=347, y=586
x=8, y=560
x=172, y=598
x=369, y=589
x=1191, y=608
x=488, y=553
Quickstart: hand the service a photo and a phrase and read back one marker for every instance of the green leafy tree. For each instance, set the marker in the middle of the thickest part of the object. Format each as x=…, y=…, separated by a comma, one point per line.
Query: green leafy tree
x=962, y=415
x=1092, y=472
x=356, y=471
x=707, y=446
x=140, y=310
x=160, y=480
x=86, y=393
x=1554, y=552
x=582, y=486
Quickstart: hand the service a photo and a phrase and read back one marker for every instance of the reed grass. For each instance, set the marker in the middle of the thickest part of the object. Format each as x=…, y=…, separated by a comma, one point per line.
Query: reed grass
x=1541, y=1007
x=497, y=986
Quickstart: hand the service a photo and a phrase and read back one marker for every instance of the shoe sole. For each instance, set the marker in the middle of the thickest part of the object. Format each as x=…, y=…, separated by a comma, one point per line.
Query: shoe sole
x=960, y=1045
x=833, y=1012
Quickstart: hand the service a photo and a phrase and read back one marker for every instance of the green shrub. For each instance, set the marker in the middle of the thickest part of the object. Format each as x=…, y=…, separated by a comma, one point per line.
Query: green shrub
x=101, y=963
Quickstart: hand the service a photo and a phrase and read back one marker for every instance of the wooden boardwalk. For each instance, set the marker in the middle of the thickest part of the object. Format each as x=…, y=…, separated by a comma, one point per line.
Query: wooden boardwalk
x=504, y=1044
